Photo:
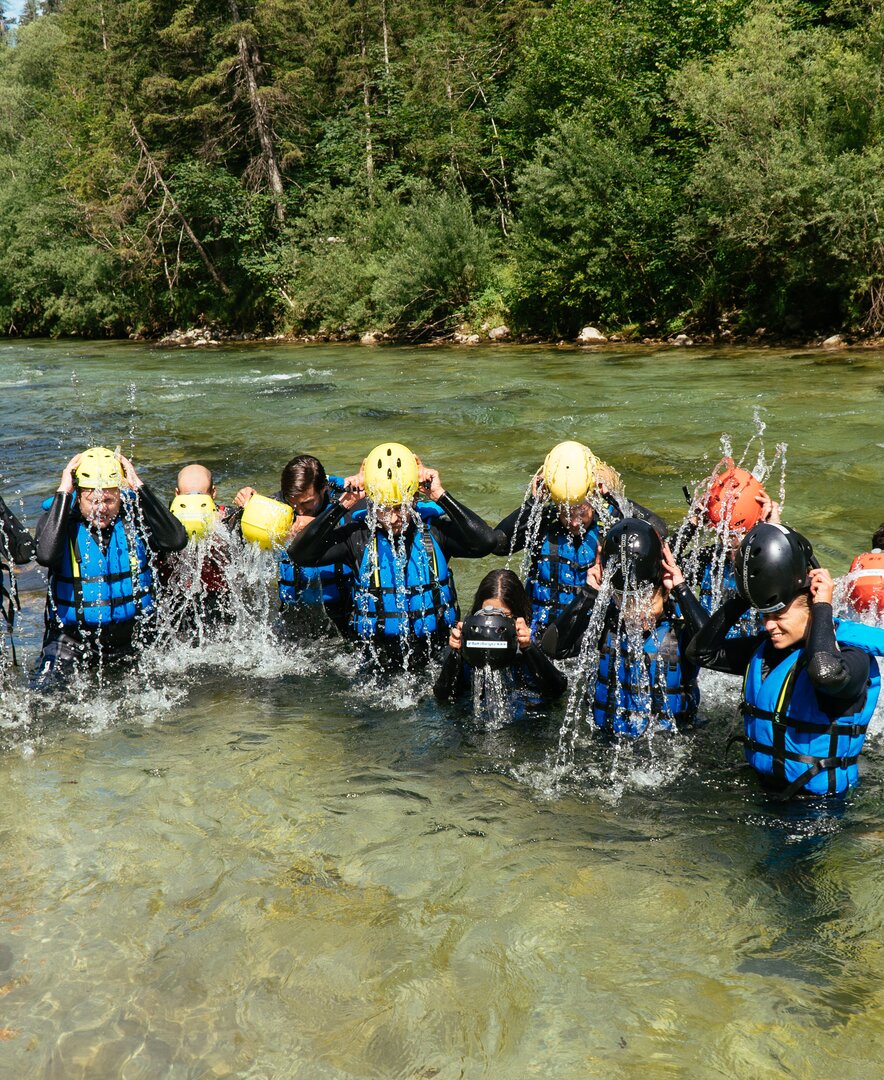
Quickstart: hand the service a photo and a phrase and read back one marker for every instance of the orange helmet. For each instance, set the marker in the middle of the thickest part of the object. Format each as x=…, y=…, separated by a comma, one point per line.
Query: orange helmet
x=866, y=581
x=732, y=498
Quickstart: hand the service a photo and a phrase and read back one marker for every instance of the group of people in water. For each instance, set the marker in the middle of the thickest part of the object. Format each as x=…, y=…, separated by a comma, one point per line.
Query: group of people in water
x=607, y=600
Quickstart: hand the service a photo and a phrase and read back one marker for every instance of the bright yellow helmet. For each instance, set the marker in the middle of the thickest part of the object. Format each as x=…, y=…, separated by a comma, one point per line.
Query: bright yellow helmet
x=99, y=468
x=391, y=475
x=266, y=522
x=196, y=513
x=569, y=472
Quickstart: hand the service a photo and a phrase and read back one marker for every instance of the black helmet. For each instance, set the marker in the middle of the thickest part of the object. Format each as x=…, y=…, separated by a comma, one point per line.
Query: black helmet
x=771, y=566
x=635, y=546
x=489, y=639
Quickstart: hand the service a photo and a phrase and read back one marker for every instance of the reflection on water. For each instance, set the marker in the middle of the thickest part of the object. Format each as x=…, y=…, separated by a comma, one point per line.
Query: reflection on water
x=239, y=861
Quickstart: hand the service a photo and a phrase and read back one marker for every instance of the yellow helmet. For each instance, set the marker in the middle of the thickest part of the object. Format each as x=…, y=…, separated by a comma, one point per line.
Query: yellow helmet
x=99, y=468
x=196, y=513
x=390, y=475
x=266, y=522
x=569, y=472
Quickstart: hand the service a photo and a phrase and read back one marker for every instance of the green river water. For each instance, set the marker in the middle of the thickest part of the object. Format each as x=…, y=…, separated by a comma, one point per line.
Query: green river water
x=245, y=862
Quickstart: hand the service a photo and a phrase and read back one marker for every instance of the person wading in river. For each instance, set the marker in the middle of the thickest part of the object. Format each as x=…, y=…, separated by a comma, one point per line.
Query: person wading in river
x=810, y=682
x=573, y=499
x=308, y=593
x=16, y=547
x=98, y=537
x=642, y=681
x=398, y=547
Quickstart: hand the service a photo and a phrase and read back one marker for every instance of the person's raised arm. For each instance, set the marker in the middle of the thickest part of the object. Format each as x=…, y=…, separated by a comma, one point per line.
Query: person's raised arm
x=16, y=543
x=835, y=672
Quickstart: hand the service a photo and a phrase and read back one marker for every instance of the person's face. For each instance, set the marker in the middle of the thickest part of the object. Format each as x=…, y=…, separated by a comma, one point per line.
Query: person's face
x=577, y=519
x=308, y=503
x=99, y=506
x=790, y=625
x=391, y=519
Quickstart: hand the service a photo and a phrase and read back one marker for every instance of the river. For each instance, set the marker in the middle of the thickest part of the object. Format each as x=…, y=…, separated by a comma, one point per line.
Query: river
x=242, y=862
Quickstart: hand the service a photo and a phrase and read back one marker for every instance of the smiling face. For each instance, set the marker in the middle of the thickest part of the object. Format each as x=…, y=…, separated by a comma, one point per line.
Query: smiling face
x=790, y=625
x=99, y=506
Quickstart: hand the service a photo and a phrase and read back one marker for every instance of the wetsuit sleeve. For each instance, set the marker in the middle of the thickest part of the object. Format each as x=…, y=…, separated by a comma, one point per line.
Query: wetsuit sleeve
x=551, y=682
x=16, y=543
x=693, y=612
x=562, y=638
x=164, y=531
x=324, y=541
x=52, y=530
x=452, y=681
x=512, y=532
x=462, y=533
x=711, y=648
x=835, y=671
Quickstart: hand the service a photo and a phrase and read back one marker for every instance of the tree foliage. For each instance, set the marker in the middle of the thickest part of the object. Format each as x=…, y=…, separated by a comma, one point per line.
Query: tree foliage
x=343, y=165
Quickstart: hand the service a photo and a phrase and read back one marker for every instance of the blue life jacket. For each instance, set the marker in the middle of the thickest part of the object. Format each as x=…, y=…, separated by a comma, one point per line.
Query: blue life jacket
x=789, y=737
x=310, y=586
x=658, y=686
x=748, y=624
x=94, y=588
x=416, y=600
x=558, y=572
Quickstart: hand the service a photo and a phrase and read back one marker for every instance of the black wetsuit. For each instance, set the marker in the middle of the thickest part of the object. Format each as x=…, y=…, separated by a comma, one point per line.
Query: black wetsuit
x=16, y=546
x=460, y=533
x=534, y=676
x=65, y=646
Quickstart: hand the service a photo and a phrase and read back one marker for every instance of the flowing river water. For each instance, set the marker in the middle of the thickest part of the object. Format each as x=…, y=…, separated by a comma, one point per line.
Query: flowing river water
x=241, y=861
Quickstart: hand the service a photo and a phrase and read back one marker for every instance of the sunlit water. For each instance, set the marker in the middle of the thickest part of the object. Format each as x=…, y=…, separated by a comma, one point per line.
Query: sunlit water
x=241, y=861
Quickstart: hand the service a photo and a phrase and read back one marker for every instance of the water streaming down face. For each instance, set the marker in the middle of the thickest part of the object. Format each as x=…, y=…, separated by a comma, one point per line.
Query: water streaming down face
x=705, y=551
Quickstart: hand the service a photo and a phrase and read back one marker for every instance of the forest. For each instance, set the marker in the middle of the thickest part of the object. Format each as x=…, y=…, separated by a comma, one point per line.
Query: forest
x=333, y=167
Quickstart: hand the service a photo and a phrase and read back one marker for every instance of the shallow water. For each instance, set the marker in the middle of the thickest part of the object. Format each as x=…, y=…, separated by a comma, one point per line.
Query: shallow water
x=242, y=862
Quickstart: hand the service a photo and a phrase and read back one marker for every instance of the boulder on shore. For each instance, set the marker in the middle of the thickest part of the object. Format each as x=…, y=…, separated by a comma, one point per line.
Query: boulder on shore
x=590, y=336
x=834, y=342
x=499, y=333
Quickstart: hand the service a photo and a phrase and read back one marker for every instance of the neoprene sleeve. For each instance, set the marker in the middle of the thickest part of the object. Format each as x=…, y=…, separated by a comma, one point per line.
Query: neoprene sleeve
x=711, y=648
x=16, y=543
x=836, y=672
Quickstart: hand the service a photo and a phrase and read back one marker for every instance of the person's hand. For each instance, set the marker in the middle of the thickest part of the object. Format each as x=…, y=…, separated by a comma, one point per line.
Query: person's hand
x=594, y=575
x=354, y=489
x=67, y=482
x=299, y=525
x=821, y=586
x=429, y=482
x=672, y=574
x=538, y=488
x=770, y=511
x=455, y=637
x=243, y=495
x=523, y=633
x=129, y=473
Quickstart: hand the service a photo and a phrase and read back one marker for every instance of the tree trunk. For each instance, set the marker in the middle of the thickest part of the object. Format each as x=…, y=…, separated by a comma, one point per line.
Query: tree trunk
x=250, y=63
x=366, y=103
x=154, y=170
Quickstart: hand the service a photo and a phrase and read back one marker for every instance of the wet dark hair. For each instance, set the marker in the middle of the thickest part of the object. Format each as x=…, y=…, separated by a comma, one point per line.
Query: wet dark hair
x=506, y=586
x=302, y=473
x=878, y=538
